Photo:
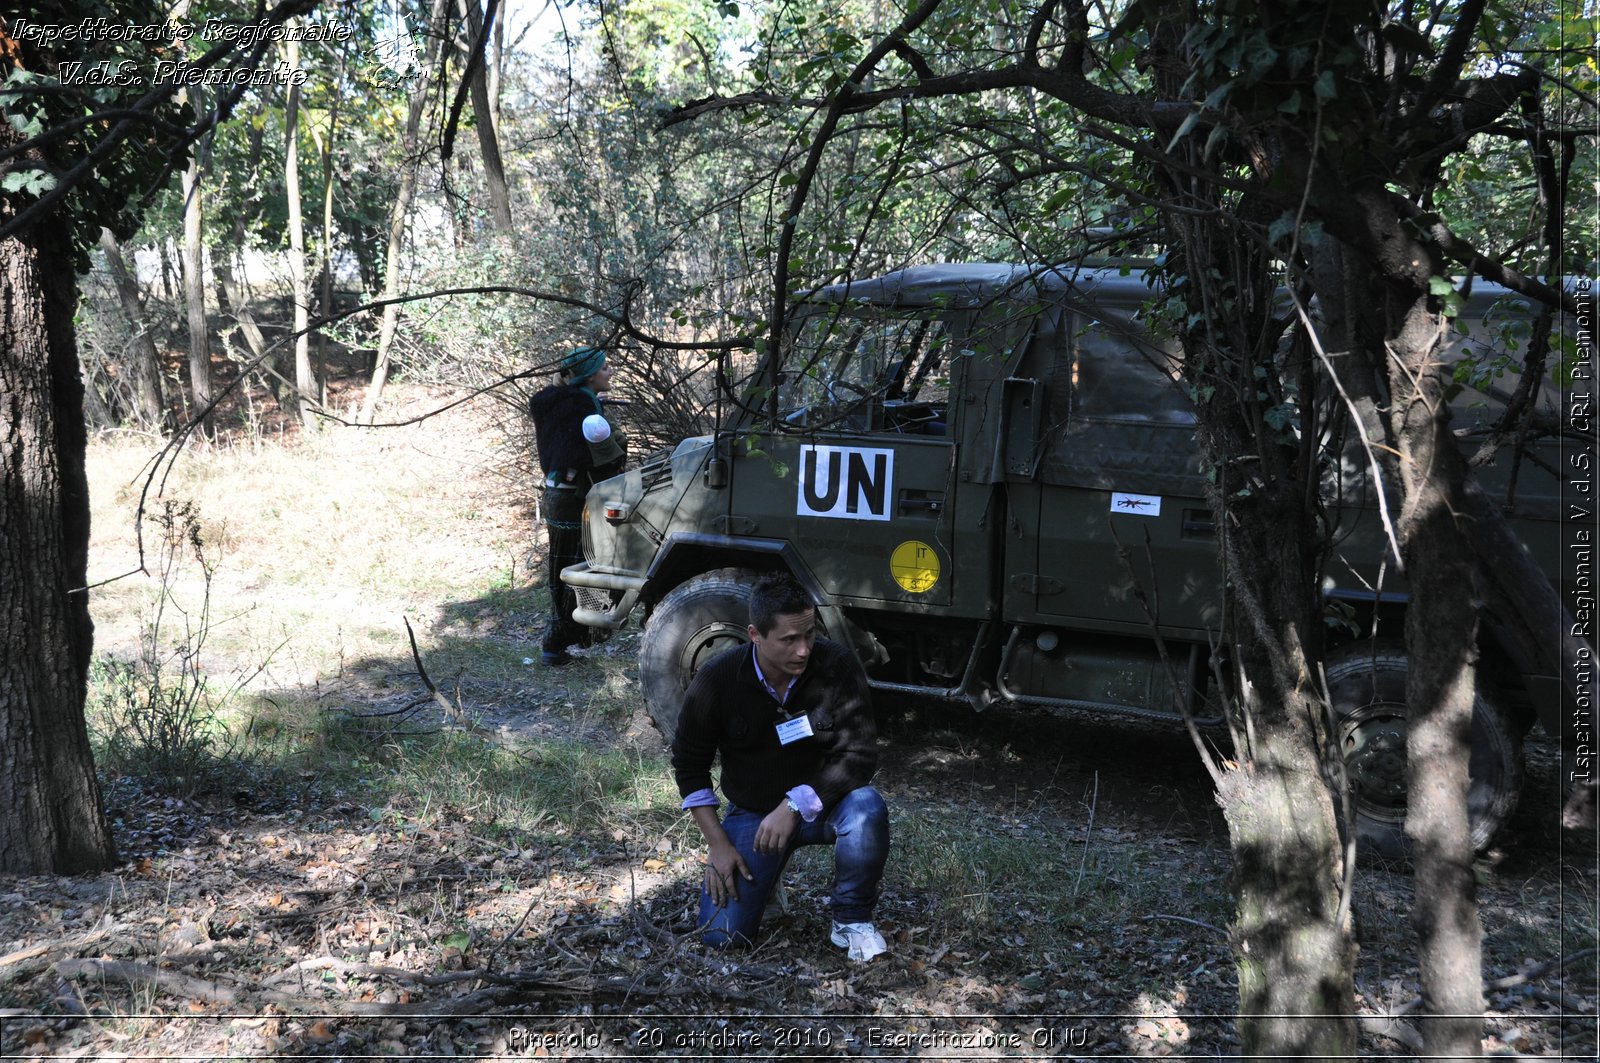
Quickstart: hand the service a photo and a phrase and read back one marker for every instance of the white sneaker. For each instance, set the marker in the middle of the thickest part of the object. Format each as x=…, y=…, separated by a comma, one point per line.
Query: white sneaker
x=862, y=939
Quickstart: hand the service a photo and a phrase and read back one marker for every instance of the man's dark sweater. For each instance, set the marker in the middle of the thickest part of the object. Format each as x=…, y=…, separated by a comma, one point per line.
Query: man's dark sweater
x=728, y=709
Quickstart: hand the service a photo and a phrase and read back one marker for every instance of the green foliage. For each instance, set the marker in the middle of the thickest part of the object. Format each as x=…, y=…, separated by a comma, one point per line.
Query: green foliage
x=33, y=182
x=676, y=227
x=54, y=120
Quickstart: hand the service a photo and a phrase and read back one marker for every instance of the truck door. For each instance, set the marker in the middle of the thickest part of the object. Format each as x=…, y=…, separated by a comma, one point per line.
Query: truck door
x=1111, y=464
x=858, y=474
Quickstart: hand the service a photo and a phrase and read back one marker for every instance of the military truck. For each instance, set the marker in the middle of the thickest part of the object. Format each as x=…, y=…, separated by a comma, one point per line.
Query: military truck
x=950, y=457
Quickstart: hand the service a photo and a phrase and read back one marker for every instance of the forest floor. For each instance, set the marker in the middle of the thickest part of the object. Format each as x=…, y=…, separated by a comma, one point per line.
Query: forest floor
x=484, y=858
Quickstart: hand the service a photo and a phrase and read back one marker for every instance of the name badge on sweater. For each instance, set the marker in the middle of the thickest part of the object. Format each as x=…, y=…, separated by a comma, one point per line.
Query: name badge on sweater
x=794, y=730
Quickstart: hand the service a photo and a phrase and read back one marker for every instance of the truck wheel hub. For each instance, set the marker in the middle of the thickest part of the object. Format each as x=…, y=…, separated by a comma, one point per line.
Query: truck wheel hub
x=1375, y=755
x=708, y=641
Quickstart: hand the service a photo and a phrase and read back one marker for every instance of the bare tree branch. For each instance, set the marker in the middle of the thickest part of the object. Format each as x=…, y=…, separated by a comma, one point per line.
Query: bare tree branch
x=819, y=144
x=1448, y=68
x=474, y=60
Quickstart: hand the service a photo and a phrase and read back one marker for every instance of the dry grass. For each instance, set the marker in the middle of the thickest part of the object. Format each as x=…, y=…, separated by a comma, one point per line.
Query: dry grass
x=326, y=542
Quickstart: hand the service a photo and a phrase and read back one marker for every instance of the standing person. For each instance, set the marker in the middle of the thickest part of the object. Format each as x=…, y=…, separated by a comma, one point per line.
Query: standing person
x=790, y=716
x=578, y=446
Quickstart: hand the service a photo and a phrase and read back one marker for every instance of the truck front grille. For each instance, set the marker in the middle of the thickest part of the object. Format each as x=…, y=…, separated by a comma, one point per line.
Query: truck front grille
x=597, y=600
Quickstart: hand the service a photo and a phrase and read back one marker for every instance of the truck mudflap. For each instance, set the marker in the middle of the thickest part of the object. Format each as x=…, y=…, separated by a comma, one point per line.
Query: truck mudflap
x=604, y=598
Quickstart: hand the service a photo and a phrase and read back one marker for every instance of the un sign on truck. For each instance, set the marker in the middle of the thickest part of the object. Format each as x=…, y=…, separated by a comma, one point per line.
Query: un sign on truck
x=853, y=483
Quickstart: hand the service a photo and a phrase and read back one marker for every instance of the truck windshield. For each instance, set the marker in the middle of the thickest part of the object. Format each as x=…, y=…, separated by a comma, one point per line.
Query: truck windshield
x=866, y=369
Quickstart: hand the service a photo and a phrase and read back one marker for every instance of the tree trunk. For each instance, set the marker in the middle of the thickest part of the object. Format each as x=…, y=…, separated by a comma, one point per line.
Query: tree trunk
x=325, y=249
x=51, y=816
x=194, y=286
x=494, y=171
x=494, y=62
x=1448, y=584
x=194, y=290
x=1441, y=640
x=1458, y=554
x=398, y=216
x=1292, y=934
x=238, y=296
x=305, y=381
x=168, y=287
x=325, y=261
x=148, y=402
x=1292, y=939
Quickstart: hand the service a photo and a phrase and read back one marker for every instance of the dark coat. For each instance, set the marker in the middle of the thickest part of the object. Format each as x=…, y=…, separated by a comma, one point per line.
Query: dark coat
x=558, y=412
x=728, y=710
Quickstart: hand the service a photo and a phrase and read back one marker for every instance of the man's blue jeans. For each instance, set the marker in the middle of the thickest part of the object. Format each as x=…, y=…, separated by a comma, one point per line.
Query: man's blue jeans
x=858, y=830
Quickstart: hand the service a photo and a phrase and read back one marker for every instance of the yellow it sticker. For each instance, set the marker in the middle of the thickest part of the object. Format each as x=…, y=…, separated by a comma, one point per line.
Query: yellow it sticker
x=915, y=566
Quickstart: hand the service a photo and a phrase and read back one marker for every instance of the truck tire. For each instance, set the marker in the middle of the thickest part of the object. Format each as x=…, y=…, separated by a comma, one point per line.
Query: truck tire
x=1368, y=687
x=697, y=620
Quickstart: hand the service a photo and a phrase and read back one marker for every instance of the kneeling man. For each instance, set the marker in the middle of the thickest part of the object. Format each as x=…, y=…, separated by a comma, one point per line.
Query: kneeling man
x=790, y=716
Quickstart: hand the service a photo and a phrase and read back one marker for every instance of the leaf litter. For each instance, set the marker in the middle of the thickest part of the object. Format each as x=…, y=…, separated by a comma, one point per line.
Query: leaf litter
x=305, y=923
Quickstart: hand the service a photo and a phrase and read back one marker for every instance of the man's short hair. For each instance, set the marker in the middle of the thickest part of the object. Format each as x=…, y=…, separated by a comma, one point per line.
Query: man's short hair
x=775, y=595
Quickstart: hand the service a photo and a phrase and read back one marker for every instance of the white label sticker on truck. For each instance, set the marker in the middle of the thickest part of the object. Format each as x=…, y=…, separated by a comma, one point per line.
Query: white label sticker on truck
x=1138, y=505
x=850, y=483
